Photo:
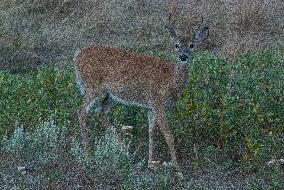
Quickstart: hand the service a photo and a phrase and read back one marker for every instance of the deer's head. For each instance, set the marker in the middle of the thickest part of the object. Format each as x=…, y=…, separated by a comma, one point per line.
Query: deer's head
x=184, y=44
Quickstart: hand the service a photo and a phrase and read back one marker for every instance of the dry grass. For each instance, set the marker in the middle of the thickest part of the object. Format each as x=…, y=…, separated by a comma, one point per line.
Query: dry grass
x=49, y=31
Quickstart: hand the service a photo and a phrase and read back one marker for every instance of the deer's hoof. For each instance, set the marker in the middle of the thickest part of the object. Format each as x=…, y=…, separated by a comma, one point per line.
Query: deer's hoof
x=153, y=165
x=178, y=172
x=179, y=175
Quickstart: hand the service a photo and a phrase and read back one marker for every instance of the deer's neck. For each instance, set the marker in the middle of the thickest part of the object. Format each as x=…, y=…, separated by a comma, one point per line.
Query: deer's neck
x=181, y=79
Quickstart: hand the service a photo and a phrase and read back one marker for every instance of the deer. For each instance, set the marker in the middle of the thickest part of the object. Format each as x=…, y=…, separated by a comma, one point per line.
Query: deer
x=106, y=75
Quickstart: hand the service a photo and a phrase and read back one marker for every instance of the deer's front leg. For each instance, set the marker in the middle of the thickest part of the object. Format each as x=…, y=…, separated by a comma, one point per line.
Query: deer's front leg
x=163, y=123
x=152, y=131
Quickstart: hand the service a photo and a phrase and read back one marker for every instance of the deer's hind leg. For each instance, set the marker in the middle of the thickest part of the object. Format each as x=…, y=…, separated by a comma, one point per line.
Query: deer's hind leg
x=103, y=111
x=83, y=113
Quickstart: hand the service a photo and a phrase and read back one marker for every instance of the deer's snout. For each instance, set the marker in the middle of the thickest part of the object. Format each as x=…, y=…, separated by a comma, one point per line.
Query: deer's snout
x=183, y=57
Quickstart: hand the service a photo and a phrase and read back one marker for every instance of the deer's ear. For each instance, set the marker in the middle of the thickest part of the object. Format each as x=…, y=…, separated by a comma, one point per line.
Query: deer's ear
x=200, y=34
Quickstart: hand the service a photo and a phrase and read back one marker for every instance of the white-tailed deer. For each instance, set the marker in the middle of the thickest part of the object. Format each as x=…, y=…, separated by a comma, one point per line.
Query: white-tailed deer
x=107, y=75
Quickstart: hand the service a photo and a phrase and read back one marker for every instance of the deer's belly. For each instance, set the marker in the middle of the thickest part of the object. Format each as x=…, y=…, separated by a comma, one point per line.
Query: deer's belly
x=129, y=100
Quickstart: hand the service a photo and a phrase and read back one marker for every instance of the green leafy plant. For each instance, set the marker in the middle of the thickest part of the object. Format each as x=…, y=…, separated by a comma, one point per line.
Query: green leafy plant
x=29, y=100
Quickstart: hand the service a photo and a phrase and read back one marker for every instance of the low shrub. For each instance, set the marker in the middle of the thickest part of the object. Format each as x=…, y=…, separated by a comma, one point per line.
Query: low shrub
x=23, y=153
x=37, y=159
x=237, y=108
x=29, y=100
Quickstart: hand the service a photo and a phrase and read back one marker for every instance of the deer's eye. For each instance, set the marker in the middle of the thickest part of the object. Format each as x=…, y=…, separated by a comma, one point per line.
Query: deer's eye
x=191, y=46
x=176, y=46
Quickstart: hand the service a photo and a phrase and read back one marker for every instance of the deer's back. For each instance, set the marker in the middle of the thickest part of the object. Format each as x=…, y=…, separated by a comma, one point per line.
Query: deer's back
x=115, y=68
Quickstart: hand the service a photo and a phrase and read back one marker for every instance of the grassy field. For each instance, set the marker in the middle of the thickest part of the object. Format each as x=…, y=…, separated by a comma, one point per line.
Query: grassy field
x=41, y=32
x=228, y=125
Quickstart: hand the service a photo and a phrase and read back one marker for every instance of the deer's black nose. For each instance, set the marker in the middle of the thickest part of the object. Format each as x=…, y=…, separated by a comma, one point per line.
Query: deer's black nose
x=183, y=57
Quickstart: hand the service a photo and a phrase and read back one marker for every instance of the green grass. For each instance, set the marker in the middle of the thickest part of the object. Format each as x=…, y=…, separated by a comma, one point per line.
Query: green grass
x=231, y=115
